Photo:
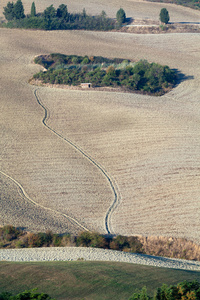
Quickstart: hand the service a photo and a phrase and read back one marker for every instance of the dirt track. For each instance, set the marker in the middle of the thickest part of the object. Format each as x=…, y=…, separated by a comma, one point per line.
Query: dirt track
x=149, y=146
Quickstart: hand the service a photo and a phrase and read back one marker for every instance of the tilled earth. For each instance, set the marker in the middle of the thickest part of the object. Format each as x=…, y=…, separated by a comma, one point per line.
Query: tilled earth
x=148, y=147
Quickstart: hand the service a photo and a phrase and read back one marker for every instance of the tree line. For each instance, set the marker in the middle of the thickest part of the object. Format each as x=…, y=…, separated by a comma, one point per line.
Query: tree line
x=185, y=290
x=150, y=78
x=182, y=291
x=59, y=19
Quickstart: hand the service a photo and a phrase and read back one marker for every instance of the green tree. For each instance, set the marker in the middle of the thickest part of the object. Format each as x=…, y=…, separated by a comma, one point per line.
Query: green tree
x=164, y=16
x=9, y=11
x=103, y=15
x=50, y=13
x=33, y=10
x=84, y=14
x=141, y=295
x=62, y=12
x=121, y=16
x=19, y=10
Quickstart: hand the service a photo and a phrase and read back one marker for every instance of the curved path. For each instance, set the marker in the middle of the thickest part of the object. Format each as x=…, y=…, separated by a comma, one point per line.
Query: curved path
x=21, y=189
x=111, y=182
x=94, y=254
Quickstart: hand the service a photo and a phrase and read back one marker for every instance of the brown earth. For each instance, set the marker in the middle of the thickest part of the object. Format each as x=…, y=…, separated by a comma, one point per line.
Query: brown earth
x=147, y=146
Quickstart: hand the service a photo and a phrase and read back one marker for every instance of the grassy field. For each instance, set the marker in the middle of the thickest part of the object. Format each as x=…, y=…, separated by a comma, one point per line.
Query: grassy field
x=87, y=280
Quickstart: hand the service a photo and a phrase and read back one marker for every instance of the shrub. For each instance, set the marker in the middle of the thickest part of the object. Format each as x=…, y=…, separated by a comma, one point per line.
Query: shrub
x=9, y=233
x=90, y=239
x=85, y=61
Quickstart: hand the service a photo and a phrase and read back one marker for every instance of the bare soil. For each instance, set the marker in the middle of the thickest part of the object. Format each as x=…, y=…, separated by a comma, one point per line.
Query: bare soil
x=148, y=146
x=153, y=27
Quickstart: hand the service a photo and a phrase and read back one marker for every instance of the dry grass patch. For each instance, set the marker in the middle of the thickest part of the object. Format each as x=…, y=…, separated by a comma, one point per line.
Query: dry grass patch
x=170, y=247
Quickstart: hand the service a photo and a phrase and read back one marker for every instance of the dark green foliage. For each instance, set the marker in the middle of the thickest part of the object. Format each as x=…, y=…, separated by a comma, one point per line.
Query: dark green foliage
x=19, y=10
x=33, y=10
x=62, y=12
x=5, y=296
x=183, y=290
x=164, y=16
x=124, y=243
x=121, y=16
x=90, y=239
x=55, y=19
x=49, y=13
x=9, y=11
x=27, y=295
x=140, y=295
x=73, y=70
x=84, y=14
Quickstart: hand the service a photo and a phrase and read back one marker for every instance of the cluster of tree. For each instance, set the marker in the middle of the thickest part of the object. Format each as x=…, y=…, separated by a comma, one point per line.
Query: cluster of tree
x=183, y=291
x=14, y=11
x=146, y=77
x=26, y=295
x=58, y=19
x=13, y=237
x=56, y=60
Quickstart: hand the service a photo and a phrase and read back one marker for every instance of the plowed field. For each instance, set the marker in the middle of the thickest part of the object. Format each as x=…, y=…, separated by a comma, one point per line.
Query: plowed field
x=112, y=162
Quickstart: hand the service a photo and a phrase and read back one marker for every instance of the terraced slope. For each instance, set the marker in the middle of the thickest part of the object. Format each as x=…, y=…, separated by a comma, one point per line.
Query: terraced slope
x=148, y=146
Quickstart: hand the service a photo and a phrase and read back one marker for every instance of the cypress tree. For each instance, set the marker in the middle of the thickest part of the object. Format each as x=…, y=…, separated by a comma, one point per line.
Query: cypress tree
x=121, y=16
x=164, y=16
x=33, y=10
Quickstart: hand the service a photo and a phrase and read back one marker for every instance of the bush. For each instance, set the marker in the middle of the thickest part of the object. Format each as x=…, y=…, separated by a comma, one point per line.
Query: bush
x=90, y=239
x=9, y=233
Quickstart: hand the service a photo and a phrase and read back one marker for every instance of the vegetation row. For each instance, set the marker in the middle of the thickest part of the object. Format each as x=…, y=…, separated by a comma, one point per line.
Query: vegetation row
x=150, y=78
x=12, y=237
x=59, y=19
x=184, y=291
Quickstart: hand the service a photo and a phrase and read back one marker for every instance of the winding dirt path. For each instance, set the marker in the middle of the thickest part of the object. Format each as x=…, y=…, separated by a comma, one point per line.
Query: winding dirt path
x=104, y=172
x=21, y=189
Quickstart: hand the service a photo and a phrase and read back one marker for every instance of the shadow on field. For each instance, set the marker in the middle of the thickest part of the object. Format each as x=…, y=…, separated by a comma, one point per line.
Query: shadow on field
x=182, y=77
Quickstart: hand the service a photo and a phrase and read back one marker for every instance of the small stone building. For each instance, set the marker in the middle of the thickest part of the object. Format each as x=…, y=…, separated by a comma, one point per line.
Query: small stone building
x=86, y=85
